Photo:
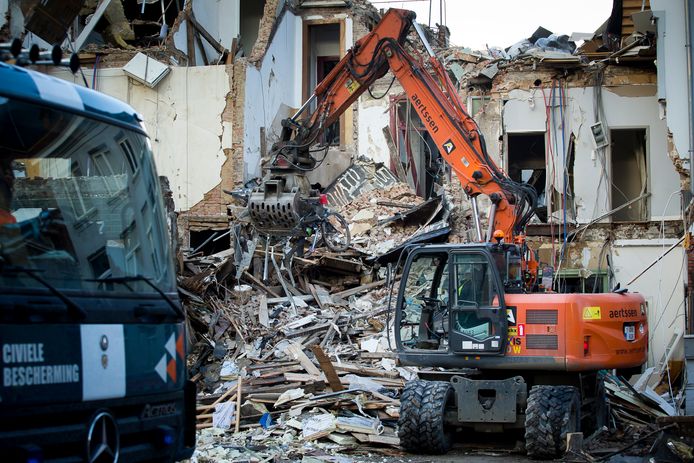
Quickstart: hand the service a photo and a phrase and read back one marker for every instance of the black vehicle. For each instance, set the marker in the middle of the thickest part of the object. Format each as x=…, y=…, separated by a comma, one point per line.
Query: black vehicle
x=92, y=334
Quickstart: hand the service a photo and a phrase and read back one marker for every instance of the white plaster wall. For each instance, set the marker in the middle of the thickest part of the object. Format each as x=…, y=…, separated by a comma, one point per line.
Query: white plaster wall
x=525, y=112
x=373, y=116
x=673, y=70
x=183, y=118
x=273, y=91
x=220, y=18
x=662, y=286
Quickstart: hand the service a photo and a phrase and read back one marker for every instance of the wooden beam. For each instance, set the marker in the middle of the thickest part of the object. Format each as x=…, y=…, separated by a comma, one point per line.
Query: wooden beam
x=190, y=42
x=206, y=35
x=203, y=55
x=328, y=368
x=233, y=50
x=294, y=351
x=259, y=284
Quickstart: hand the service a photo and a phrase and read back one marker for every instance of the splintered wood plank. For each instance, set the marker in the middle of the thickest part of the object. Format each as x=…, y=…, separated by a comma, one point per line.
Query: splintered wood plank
x=263, y=317
x=328, y=368
x=388, y=440
x=364, y=371
x=295, y=352
x=259, y=284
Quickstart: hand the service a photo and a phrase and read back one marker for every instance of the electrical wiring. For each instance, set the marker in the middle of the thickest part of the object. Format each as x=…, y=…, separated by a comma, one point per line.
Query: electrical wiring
x=563, y=155
x=549, y=160
x=604, y=178
x=96, y=70
x=672, y=293
x=659, y=301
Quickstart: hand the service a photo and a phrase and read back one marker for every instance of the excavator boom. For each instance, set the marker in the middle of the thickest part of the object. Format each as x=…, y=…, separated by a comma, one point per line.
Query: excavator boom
x=433, y=96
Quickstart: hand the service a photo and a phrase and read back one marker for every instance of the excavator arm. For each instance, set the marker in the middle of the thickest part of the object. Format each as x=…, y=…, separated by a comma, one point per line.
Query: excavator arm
x=435, y=99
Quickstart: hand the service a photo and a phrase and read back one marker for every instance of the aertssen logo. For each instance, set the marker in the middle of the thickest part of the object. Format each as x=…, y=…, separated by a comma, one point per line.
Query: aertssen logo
x=424, y=113
x=166, y=367
x=623, y=313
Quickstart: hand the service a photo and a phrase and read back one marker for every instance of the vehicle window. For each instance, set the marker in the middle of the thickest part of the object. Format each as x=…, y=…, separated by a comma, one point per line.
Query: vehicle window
x=475, y=289
x=424, y=318
x=474, y=281
x=77, y=203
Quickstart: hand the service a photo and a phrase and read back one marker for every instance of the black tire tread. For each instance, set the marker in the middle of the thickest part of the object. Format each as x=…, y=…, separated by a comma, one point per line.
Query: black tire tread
x=410, y=408
x=436, y=439
x=547, y=420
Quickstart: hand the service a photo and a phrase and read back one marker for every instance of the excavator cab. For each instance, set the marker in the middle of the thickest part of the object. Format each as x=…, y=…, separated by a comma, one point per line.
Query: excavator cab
x=451, y=301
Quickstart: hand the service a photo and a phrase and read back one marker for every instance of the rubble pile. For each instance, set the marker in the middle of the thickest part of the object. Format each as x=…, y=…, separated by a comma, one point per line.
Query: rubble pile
x=376, y=218
x=293, y=356
x=312, y=368
x=643, y=420
x=300, y=346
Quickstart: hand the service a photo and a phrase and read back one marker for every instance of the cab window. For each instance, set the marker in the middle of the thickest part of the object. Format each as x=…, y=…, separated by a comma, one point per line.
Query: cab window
x=475, y=291
x=424, y=316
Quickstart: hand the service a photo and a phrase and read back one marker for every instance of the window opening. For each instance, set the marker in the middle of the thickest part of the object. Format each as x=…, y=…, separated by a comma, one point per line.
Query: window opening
x=629, y=177
x=527, y=164
x=418, y=154
x=250, y=14
x=206, y=242
x=321, y=54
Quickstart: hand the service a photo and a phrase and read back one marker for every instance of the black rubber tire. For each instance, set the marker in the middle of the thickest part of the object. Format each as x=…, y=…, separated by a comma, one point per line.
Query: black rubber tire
x=328, y=230
x=410, y=410
x=552, y=412
x=436, y=438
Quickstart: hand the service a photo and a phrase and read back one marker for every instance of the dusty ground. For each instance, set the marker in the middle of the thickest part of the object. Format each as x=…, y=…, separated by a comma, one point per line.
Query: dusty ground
x=486, y=448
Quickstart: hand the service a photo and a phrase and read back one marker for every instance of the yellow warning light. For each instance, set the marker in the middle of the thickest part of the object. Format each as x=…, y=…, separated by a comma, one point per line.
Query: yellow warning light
x=498, y=235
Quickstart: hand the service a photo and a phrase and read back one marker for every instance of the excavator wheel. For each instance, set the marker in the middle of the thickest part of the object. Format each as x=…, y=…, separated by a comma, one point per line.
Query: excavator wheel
x=430, y=435
x=552, y=412
x=410, y=409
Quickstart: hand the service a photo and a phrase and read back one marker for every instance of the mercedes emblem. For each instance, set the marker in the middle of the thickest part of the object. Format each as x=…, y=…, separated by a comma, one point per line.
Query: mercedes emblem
x=103, y=440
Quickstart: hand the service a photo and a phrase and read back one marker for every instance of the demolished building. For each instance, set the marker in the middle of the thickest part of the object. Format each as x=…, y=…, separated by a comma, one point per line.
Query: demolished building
x=588, y=131
x=602, y=133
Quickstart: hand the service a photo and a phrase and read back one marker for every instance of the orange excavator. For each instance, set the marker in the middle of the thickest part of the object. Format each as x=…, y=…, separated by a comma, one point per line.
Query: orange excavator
x=496, y=350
